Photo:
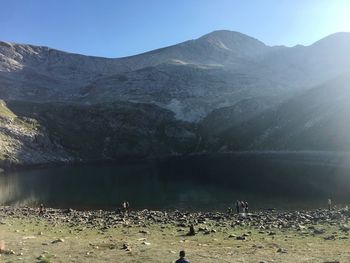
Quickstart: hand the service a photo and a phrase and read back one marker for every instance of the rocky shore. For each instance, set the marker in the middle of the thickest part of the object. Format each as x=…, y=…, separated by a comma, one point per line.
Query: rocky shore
x=306, y=222
x=67, y=235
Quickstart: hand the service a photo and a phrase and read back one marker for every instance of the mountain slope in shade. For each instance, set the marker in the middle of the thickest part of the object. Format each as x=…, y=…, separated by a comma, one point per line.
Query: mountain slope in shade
x=314, y=120
x=112, y=131
x=24, y=142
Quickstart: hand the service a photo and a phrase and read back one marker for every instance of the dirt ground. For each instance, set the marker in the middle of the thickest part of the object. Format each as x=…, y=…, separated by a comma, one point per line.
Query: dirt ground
x=36, y=240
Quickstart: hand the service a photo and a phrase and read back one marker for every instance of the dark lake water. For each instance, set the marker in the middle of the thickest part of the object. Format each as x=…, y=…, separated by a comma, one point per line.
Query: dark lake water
x=282, y=181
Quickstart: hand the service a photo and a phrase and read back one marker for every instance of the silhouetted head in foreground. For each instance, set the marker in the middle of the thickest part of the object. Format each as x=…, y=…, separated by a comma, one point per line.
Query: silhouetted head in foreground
x=182, y=258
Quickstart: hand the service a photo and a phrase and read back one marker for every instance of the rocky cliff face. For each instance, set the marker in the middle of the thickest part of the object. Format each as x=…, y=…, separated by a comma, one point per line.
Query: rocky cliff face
x=110, y=131
x=223, y=91
x=24, y=142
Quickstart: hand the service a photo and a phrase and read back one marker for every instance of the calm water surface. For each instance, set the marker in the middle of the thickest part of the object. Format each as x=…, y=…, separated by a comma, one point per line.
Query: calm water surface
x=194, y=183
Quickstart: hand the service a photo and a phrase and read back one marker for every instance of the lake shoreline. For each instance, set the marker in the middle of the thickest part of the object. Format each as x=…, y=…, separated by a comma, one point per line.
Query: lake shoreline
x=328, y=157
x=65, y=235
x=264, y=219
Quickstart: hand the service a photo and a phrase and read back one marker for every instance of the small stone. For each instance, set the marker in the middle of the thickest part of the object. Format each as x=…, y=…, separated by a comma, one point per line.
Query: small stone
x=258, y=246
x=281, y=250
x=319, y=231
x=60, y=240
x=331, y=237
x=126, y=247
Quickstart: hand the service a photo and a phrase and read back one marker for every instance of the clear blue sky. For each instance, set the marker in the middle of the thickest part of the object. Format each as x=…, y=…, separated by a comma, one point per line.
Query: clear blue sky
x=115, y=28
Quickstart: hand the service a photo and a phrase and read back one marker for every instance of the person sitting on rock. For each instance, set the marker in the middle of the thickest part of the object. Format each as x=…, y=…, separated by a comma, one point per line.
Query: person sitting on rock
x=182, y=258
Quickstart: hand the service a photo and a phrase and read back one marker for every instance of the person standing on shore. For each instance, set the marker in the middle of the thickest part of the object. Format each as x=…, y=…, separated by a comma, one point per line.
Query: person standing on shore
x=41, y=210
x=182, y=258
x=238, y=204
x=246, y=207
x=329, y=204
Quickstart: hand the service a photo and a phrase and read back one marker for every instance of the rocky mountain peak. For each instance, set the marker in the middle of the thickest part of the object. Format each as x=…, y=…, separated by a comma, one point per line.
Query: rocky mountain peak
x=235, y=42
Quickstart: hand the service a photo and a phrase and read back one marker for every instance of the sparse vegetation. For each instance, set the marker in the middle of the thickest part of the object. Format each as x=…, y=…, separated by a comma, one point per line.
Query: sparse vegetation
x=31, y=240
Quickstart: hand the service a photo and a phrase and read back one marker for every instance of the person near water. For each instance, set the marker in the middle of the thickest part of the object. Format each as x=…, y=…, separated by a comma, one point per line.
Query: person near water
x=329, y=204
x=191, y=232
x=246, y=207
x=243, y=206
x=124, y=206
x=238, y=204
x=182, y=258
x=41, y=209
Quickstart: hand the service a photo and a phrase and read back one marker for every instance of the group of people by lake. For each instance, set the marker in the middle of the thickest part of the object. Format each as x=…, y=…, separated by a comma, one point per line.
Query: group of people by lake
x=242, y=206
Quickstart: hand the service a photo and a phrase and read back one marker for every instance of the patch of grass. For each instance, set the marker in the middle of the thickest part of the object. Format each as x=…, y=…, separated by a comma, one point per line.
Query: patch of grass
x=5, y=112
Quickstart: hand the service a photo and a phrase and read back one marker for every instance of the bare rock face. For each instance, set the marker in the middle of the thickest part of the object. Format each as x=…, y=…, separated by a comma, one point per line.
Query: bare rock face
x=112, y=131
x=24, y=142
x=213, y=93
x=191, y=78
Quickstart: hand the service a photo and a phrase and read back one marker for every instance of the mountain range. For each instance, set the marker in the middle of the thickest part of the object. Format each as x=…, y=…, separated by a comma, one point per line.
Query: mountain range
x=224, y=91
